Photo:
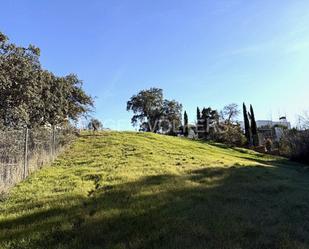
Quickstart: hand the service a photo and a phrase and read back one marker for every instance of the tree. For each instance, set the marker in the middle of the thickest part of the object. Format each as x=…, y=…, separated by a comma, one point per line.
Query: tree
x=247, y=124
x=254, y=131
x=205, y=121
x=154, y=113
x=230, y=112
x=170, y=121
x=230, y=134
x=31, y=96
x=213, y=123
x=304, y=121
x=147, y=108
x=198, y=114
x=64, y=99
x=54, y=93
x=199, y=123
x=20, y=98
x=209, y=121
x=76, y=99
x=294, y=144
x=95, y=124
x=186, y=124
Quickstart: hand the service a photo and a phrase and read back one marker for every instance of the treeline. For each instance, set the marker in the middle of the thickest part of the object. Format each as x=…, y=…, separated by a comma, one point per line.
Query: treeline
x=153, y=113
x=30, y=95
x=220, y=126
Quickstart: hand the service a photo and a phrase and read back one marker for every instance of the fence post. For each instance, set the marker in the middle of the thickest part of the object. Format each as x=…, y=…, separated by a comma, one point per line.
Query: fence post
x=26, y=153
x=53, y=142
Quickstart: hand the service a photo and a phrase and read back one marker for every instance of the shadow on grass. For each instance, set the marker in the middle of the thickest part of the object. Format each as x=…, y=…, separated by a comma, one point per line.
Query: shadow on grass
x=262, y=158
x=281, y=163
x=213, y=207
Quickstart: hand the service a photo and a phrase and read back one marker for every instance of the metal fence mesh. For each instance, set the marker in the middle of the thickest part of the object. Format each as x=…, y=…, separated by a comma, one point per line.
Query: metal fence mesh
x=22, y=152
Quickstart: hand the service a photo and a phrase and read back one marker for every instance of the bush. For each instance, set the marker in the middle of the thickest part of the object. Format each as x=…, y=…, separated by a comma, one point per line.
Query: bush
x=230, y=134
x=295, y=145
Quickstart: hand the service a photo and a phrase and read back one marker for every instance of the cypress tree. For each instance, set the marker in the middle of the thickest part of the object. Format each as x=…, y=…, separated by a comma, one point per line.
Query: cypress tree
x=247, y=124
x=198, y=122
x=254, y=128
x=198, y=114
x=205, y=122
x=186, y=124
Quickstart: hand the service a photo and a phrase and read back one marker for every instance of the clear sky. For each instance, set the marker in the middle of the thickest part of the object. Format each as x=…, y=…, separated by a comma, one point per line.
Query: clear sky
x=201, y=52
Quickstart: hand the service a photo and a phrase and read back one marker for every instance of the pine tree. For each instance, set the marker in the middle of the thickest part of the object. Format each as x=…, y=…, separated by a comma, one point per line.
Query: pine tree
x=247, y=124
x=254, y=128
x=186, y=124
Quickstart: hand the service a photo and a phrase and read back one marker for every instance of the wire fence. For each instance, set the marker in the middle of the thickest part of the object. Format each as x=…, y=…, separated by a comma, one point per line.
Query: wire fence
x=24, y=151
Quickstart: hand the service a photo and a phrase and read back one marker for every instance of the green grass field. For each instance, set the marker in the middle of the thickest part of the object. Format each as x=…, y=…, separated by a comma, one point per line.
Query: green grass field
x=139, y=190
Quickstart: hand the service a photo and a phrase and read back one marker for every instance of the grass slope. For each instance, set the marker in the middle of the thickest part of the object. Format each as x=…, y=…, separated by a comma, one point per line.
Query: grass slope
x=137, y=190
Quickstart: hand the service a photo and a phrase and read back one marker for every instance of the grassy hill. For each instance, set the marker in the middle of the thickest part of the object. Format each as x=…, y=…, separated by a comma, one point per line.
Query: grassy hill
x=137, y=190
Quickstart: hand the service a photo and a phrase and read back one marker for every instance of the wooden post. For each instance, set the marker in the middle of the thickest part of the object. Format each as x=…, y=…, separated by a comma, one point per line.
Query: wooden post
x=26, y=153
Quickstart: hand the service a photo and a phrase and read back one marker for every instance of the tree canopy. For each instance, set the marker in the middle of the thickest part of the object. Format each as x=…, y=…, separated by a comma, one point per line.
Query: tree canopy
x=230, y=112
x=95, y=124
x=153, y=113
x=30, y=95
x=207, y=123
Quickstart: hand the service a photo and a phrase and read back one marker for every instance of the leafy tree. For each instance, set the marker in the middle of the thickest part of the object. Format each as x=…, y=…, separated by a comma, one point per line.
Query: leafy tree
x=254, y=131
x=31, y=96
x=230, y=134
x=20, y=98
x=53, y=94
x=209, y=121
x=170, y=121
x=154, y=113
x=95, y=124
x=230, y=112
x=247, y=124
x=147, y=108
x=77, y=101
x=64, y=98
x=186, y=124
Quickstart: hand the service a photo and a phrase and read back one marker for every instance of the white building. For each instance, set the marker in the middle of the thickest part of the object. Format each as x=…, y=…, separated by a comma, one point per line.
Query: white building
x=267, y=123
x=270, y=129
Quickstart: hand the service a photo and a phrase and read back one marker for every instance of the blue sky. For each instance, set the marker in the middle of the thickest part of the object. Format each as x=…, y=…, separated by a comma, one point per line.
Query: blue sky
x=202, y=53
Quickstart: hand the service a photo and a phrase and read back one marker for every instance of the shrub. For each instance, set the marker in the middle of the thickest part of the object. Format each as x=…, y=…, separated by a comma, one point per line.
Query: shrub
x=230, y=134
x=294, y=144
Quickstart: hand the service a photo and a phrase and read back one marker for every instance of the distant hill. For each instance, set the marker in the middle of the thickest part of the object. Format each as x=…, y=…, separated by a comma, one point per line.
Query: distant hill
x=142, y=190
